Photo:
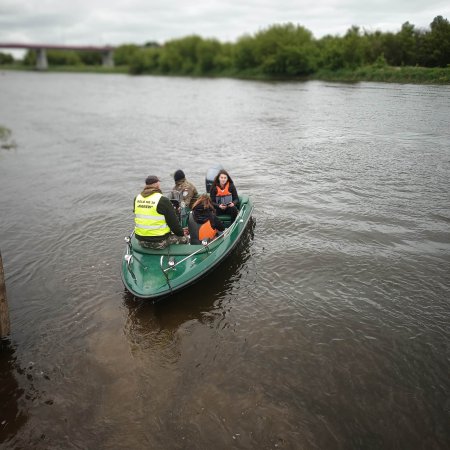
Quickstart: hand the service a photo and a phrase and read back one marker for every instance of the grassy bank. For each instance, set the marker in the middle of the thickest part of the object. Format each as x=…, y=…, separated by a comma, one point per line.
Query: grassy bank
x=385, y=74
x=74, y=69
x=388, y=74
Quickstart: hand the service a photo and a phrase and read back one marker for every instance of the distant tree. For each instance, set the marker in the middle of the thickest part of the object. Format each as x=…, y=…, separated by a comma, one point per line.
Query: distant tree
x=437, y=42
x=54, y=57
x=63, y=58
x=207, y=52
x=407, y=41
x=180, y=55
x=372, y=47
x=145, y=60
x=380, y=61
x=285, y=49
x=152, y=44
x=353, y=49
x=6, y=58
x=90, y=58
x=391, y=49
x=30, y=58
x=171, y=61
x=278, y=50
x=331, y=53
x=243, y=55
x=124, y=54
x=289, y=61
x=277, y=38
x=224, y=60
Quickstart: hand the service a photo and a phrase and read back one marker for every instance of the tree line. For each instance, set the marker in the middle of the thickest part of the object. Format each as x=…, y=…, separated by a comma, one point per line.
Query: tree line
x=282, y=50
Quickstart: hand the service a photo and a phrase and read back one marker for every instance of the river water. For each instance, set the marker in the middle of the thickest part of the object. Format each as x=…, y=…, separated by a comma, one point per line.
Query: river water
x=328, y=327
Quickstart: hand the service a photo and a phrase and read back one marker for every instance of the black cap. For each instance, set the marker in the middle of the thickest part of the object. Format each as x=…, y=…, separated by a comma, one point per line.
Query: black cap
x=178, y=175
x=151, y=179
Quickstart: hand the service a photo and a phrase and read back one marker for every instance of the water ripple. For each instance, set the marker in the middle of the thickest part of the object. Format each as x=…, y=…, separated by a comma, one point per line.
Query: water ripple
x=332, y=311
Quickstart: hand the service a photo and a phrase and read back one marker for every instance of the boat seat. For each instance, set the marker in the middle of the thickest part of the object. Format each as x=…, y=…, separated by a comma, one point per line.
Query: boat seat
x=225, y=219
x=175, y=250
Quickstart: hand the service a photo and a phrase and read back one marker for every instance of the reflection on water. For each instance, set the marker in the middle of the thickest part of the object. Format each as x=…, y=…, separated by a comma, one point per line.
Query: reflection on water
x=12, y=416
x=157, y=324
x=164, y=340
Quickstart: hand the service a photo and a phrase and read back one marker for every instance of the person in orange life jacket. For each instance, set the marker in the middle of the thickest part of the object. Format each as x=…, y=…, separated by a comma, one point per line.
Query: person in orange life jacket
x=224, y=195
x=156, y=223
x=203, y=223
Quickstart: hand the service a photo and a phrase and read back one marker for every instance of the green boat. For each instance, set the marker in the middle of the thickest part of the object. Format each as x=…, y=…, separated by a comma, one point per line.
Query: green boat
x=155, y=274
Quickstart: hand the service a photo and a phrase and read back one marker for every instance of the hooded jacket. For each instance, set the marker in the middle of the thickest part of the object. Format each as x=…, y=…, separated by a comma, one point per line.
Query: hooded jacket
x=201, y=215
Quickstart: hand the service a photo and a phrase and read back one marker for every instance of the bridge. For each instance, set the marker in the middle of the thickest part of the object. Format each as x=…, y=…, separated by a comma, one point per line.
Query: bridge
x=41, y=52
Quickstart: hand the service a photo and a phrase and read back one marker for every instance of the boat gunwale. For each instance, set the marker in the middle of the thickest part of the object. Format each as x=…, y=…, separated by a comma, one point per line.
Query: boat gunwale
x=206, y=246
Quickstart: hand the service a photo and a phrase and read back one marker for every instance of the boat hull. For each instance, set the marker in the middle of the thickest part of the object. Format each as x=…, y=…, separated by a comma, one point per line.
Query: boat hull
x=155, y=274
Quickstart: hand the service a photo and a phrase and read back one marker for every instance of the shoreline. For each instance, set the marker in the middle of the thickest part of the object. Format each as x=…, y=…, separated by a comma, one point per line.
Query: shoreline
x=385, y=74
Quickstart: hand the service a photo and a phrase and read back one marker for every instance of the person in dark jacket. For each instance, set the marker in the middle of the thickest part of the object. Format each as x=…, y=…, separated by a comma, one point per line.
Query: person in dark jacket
x=156, y=223
x=186, y=191
x=224, y=195
x=203, y=222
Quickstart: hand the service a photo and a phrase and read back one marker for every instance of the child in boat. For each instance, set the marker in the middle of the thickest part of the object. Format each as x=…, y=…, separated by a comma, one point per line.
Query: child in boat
x=203, y=222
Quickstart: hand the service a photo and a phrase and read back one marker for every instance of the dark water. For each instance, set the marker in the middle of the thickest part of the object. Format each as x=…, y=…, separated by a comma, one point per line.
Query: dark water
x=327, y=328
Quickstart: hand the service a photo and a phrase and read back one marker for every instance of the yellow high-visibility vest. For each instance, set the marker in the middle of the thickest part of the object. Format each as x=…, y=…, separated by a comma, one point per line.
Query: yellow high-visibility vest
x=147, y=221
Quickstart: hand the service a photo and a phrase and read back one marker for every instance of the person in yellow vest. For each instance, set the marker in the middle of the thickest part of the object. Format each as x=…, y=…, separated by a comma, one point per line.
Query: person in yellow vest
x=155, y=221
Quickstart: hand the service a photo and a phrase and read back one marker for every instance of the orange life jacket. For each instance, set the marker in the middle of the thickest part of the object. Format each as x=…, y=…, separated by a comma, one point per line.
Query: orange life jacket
x=223, y=196
x=201, y=231
x=206, y=231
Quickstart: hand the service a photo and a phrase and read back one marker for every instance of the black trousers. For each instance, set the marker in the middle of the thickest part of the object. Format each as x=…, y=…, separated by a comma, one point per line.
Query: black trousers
x=229, y=211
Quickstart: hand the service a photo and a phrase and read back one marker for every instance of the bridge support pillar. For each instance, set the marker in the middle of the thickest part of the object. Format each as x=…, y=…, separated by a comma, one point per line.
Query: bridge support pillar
x=107, y=59
x=41, y=59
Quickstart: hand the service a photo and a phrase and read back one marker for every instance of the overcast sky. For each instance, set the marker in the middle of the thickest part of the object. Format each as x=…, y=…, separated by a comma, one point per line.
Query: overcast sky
x=99, y=22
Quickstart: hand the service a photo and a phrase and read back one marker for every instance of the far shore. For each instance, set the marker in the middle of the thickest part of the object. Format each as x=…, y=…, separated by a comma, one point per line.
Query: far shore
x=385, y=74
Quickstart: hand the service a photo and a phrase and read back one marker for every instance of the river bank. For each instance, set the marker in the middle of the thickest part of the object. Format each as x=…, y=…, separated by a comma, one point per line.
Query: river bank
x=69, y=69
x=388, y=74
x=385, y=74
